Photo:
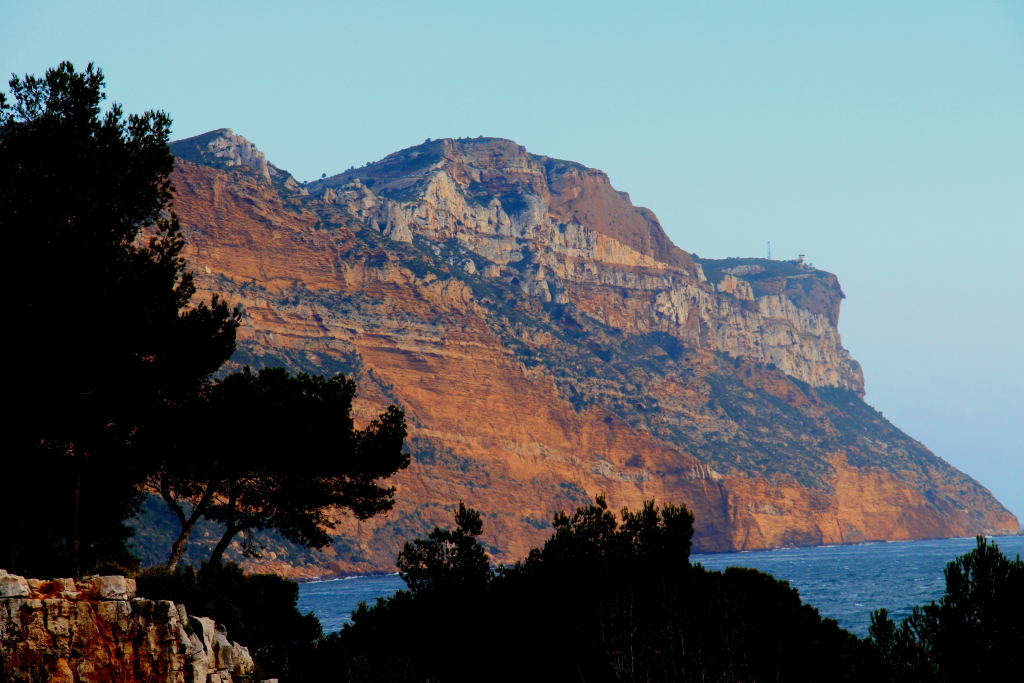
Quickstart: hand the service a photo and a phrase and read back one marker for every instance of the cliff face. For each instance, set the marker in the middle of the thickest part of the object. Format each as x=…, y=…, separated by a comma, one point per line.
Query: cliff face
x=97, y=631
x=560, y=233
x=549, y=343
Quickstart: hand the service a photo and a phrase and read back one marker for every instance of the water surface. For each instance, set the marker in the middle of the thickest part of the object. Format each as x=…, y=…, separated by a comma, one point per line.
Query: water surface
x=334, y=601
x=845, y=582
x=848, y=582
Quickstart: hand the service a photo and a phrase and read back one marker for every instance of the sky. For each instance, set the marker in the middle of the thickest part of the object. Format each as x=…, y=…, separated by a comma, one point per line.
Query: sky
x=883, y=139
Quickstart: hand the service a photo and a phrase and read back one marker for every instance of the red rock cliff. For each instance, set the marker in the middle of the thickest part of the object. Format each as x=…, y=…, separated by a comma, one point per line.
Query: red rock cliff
x=549, y=343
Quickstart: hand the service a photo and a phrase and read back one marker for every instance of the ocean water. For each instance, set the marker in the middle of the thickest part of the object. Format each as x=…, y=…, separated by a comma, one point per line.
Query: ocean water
x=334, y=601
x=845, y=582
x=849, y=582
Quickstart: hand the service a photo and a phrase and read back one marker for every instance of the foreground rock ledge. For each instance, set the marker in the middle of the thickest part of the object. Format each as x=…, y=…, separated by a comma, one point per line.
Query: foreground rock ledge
x=97, y=631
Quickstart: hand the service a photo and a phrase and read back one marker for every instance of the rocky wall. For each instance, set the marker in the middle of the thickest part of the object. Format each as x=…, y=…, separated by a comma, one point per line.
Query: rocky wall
x=97, y=631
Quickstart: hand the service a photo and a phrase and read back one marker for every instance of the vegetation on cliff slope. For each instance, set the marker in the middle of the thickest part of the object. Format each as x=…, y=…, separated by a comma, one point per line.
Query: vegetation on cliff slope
x=612, y=376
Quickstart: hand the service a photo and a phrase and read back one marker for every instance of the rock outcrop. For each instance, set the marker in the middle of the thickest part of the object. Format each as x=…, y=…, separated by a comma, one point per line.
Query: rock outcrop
x=97, y=631
x=223, y=149
x=566, y=234
x=549, y=343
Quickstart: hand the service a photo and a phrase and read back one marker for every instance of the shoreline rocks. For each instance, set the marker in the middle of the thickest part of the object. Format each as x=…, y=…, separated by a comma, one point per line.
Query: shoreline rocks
x=97, y=631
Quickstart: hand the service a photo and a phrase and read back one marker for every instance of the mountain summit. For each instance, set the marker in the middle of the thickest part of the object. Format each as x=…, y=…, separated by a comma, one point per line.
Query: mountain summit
x=563, y=225
x=500, y=179
x=549, y=343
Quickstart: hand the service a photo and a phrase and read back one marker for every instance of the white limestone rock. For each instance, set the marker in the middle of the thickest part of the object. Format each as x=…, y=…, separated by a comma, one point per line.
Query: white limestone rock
x=113, y=587
x=13, y=586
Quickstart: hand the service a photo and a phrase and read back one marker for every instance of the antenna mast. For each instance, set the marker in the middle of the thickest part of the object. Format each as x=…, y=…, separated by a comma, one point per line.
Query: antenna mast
x=769, y=251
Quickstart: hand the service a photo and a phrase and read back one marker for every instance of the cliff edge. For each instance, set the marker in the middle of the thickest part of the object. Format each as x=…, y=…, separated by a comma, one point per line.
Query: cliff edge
x=549, y=343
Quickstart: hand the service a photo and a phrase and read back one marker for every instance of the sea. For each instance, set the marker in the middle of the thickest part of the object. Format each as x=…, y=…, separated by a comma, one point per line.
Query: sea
x=844, y=582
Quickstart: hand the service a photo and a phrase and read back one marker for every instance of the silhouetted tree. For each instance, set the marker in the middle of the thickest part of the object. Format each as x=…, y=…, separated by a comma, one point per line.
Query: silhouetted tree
x=110, y=330
x=624, y=590
x=975, y=631
x=449, y=560
x=268, y=450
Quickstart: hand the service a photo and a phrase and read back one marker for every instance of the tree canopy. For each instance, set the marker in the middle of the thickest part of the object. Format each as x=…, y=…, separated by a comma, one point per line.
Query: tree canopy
x=607, y=598
x=448, y=559
x=268, y=450
x=974, y=633
x=106, y=307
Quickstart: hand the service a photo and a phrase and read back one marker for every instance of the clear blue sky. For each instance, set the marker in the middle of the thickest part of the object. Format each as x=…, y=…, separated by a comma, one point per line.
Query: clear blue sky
x=883, y=139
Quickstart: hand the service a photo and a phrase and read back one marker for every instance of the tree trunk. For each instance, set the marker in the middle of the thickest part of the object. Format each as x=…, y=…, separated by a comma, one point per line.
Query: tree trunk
x=178, y=547
x=187, y=524
x=229, y=533
x=218, y=551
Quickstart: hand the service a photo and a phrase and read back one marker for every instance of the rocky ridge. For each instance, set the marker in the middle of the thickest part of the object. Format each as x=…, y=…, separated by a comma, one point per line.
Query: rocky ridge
x=559, y=232
x=98, y=631
x=549, y=343
x=221, y=148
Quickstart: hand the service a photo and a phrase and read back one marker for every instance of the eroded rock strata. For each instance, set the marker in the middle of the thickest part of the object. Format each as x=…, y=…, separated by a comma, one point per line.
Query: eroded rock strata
x=550, y=343
x=97, y=631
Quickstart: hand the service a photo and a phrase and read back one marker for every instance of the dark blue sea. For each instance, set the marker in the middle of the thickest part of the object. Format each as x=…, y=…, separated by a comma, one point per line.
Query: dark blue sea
x=845, y=582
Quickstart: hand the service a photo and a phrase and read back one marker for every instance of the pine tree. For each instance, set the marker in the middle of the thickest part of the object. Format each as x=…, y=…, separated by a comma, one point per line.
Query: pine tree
x=973, y=633
x=449, y=561
x=104, y=306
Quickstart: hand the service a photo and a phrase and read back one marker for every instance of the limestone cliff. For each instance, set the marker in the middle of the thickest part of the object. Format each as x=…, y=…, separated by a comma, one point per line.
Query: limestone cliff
x=549, y=343
x=97, y=631
x=563, y=234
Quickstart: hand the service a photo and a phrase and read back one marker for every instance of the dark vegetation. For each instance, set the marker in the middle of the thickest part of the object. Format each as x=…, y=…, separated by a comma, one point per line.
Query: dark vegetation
x=975, y=632
x=112, y=334
x=714, y=269
x=411, y=162
x=510, y=198
x=602, y=600
x=242, y=476
x=609, y=599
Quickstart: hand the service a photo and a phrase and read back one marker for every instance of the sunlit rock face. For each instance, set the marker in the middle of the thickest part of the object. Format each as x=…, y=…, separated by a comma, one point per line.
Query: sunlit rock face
x=566, y=235
x=97, y=631
x=549, y=343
